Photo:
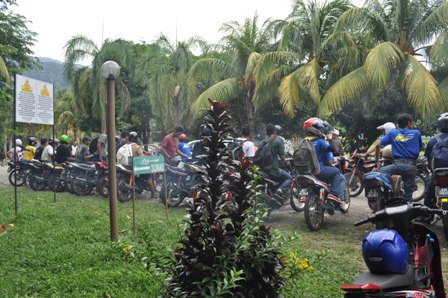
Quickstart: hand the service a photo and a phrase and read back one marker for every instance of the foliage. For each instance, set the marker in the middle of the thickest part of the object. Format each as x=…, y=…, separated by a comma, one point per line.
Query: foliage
x=226, y=251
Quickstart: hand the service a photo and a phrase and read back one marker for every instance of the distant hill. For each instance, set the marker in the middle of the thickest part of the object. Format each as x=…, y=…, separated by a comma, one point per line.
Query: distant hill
x=52, y=72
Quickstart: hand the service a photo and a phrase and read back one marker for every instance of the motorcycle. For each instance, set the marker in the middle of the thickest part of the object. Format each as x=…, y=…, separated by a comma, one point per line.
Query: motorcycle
x=318, y=201
x=422, y=179
x=102, y=179
x=421, y=275
x=36, y=179
x=125, y=183
x=180, y=181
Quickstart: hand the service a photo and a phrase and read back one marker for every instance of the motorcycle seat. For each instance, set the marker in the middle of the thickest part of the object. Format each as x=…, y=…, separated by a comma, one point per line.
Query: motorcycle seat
x=267, y=178
x=440, y=172
x=368, y=166
x=307, y=180
x=387, y=281
x=86, y=167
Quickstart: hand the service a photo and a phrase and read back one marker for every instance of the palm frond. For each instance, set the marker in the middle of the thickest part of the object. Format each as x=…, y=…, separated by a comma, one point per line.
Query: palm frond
x=439, y=51
x=346, y=89
x=433, y=24
x=210, y=67
x=223, y=91
x=289, y=91
x=309, y=79
x=381, y=62
x=443, y=89
x=252, y=62
x=421, y=88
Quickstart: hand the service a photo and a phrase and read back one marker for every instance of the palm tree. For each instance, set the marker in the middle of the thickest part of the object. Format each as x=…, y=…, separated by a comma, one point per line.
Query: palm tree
x=88, y=83
x=169, y=89
x=402, y=31
x=232, y=78
x=307, y=59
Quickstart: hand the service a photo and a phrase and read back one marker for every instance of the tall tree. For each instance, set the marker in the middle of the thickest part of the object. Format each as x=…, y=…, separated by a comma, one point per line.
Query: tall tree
x=307, y=57
x=89, y=86
x=233, y=77
x=403, y=31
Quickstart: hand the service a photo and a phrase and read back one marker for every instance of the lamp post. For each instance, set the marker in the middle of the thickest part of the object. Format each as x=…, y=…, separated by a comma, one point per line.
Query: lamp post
x=110, y=71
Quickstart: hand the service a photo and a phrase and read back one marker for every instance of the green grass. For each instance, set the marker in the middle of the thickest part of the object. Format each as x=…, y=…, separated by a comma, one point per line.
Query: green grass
x=62, y=249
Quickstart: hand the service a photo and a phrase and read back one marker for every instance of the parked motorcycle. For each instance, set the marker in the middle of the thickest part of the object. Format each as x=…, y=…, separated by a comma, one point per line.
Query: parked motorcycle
x=179, y=182
x=358, y=166
x=36, y=178
x=102, y=179
x=440, y=181
x=403, y=262
x=55, y=176
x=82, y=178
x=318, y=202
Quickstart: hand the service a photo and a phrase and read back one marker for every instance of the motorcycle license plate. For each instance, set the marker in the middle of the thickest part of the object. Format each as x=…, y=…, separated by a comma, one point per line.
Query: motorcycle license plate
x=372, y=193
x=303, y=192
x=443, y=192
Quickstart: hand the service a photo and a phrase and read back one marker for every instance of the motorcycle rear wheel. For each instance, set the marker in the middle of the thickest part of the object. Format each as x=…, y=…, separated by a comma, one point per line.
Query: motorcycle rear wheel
x=172, y=197
x=102, y=186
x=421, y=186
x=19, y=180
x=36, y=184
x=314, y=213
x=294, y=200
x=80, y=187
x=356, y=186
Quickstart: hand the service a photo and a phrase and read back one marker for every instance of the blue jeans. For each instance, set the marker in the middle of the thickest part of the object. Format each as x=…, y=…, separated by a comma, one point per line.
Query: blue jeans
x=407, y=172
x=284, y=179
x=333, y=175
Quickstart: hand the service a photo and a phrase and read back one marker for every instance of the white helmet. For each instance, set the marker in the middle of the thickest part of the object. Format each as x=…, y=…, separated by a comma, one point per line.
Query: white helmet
x=388, y=126
x=18, y=142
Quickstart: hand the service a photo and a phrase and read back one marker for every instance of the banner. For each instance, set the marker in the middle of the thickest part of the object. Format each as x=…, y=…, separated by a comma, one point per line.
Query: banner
x=33, y=101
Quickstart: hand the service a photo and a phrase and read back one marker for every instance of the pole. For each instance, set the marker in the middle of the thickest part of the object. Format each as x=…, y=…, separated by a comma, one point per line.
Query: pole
x=16, y=203
x=52, y=161
x=133, y=203
x=112, y=160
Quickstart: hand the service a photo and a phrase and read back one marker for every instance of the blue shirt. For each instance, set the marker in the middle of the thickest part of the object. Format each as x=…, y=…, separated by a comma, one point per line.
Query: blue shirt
x=406, y=143
x=185, y=149
x=322, y=151
x=431, y=143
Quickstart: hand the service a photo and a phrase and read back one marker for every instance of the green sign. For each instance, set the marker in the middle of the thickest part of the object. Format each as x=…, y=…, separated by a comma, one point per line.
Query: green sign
x=148, y=164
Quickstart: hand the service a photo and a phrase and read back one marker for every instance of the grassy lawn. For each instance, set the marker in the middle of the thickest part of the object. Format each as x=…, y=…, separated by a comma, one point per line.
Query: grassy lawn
x=62, y=249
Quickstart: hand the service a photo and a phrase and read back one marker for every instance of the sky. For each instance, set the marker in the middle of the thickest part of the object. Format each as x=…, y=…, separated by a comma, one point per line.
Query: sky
x=56, y=21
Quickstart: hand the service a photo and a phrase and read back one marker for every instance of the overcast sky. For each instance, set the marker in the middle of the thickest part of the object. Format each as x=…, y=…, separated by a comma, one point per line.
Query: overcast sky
x=56, y=21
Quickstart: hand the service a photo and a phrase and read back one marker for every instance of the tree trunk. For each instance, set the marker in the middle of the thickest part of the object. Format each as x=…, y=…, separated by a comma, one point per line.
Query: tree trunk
x=404, y=102
x=250, y=113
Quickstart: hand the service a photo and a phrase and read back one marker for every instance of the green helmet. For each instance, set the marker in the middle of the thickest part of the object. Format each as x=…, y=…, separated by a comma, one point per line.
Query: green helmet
x=64, y=139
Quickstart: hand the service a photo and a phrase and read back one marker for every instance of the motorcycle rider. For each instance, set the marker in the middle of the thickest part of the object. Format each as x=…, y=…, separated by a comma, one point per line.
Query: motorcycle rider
x=82, y=154
x=17, y=149
x=278, y=150
x=337, y=143
x=124, y=139
x=30, y=149
x=184, y=147
x=41, y=148
x=170, y=147
x=48, y=153
x=63, y=152
x=316, y=129
x=443, y=128
x=406, y=145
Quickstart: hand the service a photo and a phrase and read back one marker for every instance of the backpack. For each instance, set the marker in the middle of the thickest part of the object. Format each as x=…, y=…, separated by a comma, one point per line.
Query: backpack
x=93, y=145
x=439, y=155
x=305, y=158
x=38, y=153
x=124, y=155
x=263, y=157
x=236, y=149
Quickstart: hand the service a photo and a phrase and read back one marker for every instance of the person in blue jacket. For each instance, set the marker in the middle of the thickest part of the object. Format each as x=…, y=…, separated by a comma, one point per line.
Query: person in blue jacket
x=316, y=129
x=184, y=147
x=406, y=146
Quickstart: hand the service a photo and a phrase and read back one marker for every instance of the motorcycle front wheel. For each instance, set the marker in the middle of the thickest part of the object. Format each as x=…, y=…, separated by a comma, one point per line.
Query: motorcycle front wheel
x=356, y=186
x=56, y=184
x=421, y=185
x=124, y=189
x=102, y=186
x=296, y=200
x=35, y=183
x=314, y=213
x=170, y=196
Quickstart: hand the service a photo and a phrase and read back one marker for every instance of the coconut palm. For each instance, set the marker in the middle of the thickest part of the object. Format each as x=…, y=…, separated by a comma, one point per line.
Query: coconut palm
x=88, y=83
x=306, y=61
x=232, y=78
x=170, y=91
x=404, y=32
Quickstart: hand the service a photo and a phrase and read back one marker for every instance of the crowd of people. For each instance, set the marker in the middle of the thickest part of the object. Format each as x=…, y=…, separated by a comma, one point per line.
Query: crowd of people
x=400, y=146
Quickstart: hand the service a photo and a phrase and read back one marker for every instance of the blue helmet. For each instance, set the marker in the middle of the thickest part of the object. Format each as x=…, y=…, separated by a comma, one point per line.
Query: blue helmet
x=385, y=251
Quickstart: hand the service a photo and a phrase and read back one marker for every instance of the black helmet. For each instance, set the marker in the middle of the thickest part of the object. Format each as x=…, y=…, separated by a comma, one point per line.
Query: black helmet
x=443, y=122
x=32, y=140
x=133, y=136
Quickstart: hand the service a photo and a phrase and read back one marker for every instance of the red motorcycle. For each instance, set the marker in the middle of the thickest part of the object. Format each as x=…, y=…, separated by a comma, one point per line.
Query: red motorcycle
x=357, y=167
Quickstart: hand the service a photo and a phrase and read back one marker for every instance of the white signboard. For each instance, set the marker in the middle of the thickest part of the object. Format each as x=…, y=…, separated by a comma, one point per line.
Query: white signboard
x=34, y=101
